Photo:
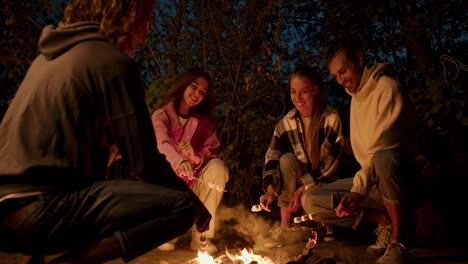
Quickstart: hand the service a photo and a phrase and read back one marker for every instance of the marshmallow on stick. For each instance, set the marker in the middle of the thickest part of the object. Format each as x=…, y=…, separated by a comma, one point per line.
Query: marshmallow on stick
x=256, y=208
x=303, y=218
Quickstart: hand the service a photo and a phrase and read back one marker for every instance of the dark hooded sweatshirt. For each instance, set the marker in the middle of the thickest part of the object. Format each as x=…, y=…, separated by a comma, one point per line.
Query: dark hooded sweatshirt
x=80, y=92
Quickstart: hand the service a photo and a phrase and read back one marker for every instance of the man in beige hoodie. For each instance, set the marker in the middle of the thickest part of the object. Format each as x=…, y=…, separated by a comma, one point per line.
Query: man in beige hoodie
x=383, y=144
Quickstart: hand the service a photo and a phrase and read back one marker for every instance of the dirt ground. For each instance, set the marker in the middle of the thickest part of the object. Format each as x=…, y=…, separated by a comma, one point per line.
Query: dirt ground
x=239, y=229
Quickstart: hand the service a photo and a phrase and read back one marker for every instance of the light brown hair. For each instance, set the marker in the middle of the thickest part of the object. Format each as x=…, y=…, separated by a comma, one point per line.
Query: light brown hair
x=314, y=76
x=117, y=18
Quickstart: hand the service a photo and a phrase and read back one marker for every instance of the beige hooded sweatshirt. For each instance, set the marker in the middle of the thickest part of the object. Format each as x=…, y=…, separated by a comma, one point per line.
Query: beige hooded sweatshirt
x=379, y=119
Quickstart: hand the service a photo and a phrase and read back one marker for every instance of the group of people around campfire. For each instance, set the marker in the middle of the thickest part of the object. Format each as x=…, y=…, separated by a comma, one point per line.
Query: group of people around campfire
x=87, y=171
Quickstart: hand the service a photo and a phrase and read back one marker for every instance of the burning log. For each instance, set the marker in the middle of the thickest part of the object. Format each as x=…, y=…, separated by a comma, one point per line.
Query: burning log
x=308, y=251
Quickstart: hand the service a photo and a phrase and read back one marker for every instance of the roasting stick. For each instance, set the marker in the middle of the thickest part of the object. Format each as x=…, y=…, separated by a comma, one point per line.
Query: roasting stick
x=257, y=208
x=218, y=187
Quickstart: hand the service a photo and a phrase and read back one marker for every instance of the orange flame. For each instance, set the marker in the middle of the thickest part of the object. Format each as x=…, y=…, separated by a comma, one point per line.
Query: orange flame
x=245, y=257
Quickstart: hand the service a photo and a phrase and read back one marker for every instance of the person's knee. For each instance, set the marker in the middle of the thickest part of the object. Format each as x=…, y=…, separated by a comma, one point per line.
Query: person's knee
x=218, y=170
x=289, y=167
x=309, y=201
x=113, y=188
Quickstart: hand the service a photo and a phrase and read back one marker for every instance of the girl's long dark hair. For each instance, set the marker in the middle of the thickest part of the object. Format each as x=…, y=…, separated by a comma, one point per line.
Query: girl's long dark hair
x=206, y=107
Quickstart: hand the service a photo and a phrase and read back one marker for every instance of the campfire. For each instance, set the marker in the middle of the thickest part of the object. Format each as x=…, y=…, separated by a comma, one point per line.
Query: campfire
x=246, y=256
x=241, y=231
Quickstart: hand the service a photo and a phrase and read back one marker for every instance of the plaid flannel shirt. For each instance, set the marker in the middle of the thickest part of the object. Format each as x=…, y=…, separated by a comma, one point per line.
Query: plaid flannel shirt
x=288, y=137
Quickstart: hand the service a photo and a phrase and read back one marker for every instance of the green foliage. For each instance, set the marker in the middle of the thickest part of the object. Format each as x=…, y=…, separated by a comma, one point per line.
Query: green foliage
x=155, y=92
x=250, y=50
x=237, y=43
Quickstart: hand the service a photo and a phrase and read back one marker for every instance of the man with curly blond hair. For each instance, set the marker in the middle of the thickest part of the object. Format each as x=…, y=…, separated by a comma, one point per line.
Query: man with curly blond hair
x=80, y=96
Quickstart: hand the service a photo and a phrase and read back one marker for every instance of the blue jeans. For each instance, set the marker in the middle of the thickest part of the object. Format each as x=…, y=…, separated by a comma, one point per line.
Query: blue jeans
x=141, y=215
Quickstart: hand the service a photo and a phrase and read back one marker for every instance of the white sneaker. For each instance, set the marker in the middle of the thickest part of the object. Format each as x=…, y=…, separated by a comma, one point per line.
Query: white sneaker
x=396, y=253
x=169, y=246
x=383, y=233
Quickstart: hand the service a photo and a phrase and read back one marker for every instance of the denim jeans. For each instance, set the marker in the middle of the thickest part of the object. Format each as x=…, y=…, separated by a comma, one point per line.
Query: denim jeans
x=141, y=215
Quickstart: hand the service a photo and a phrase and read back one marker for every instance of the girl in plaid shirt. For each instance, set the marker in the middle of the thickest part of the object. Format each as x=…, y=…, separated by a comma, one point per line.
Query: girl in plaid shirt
x=305, y=146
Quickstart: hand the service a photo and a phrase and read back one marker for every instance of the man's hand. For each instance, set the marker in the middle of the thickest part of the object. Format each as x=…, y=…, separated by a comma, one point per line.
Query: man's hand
x=349, y=204
x=185, y=170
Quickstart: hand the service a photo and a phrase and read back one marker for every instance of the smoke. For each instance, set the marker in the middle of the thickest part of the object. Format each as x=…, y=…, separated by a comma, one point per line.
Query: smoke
x=239, y=227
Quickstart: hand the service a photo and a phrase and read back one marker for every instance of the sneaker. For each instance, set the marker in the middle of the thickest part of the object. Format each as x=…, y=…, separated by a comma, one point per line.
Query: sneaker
x=168, y=246
x=383, y=233
x=329, y=233
x=396, y=253
x=210, y=248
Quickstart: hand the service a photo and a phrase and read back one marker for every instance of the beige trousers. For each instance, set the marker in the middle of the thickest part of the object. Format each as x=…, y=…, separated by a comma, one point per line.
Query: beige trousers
x=210, y=189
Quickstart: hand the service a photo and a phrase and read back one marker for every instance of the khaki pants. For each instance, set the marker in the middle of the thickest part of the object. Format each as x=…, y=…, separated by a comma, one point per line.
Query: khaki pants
x=212, y=177
x=391, y=176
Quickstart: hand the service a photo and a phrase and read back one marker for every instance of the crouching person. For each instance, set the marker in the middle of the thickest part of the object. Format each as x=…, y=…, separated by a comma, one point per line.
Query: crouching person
x=304, y=150
x=186, y=133
x=383, y=143
x=82, y=88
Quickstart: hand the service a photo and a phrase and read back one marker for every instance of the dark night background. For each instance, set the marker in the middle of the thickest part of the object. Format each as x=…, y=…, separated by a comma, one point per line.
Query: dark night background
x=249, y=47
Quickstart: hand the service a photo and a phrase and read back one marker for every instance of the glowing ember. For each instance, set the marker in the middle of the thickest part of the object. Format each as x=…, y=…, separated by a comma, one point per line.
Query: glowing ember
x=245, y=257
x=203, y=257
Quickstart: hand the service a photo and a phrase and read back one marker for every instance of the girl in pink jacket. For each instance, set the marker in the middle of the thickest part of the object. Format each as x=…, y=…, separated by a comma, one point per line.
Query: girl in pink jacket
x=185, y=130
